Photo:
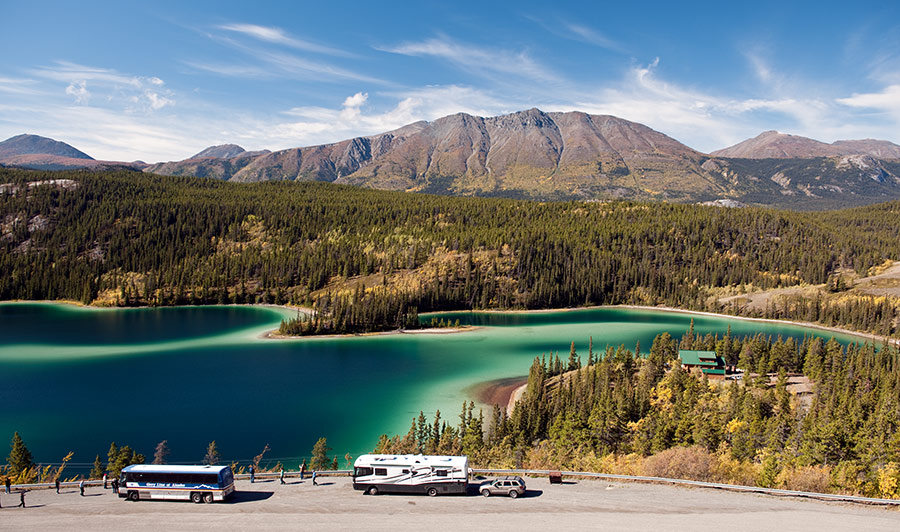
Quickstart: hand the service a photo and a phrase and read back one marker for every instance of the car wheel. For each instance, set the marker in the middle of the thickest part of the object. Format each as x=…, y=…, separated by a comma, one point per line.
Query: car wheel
x=372, y=490
x=486, y=493
x=513, y=494
x=432, y=492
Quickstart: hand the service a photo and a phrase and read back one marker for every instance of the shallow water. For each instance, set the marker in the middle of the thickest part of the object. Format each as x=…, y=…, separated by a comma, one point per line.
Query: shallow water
x=74, y=379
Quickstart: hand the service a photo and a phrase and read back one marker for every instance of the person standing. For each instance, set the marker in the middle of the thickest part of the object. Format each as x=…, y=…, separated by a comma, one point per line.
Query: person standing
x=302, y=469
x=56, y=484
x=252, y=471
x=115, y=486
x=282, y=475
x=314, y=478
x=81, y=487
x=21, y=499
x=7, y=485
x=104, y=481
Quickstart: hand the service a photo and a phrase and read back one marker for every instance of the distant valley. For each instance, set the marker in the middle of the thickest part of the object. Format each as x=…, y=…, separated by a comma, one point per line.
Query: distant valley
x=543, y=156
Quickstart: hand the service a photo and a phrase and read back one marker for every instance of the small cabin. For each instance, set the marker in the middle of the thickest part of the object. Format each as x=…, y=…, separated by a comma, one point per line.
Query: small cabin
x=704, y=362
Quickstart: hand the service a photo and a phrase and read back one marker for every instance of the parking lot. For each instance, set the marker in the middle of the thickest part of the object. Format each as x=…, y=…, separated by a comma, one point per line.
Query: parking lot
x=334, y=505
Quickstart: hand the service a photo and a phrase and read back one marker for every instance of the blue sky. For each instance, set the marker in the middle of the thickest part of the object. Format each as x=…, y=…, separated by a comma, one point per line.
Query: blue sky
x=162, y=80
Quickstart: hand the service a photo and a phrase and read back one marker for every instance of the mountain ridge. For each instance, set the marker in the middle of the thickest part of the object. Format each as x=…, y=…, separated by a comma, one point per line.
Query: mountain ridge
x=541, y=155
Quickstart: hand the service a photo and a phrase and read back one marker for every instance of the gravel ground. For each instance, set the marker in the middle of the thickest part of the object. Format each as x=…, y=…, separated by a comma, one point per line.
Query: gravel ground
x=333, y=505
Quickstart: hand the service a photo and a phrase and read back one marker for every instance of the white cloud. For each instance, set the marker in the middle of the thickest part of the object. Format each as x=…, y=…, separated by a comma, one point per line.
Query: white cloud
x=479, y=60
x=279, y=36
x=156, y=101
x=78, y=89
x=886, y=100
x=591, y=36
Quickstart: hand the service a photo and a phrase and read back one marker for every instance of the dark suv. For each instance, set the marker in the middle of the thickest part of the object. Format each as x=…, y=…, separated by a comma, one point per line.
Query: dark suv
x=512, y=486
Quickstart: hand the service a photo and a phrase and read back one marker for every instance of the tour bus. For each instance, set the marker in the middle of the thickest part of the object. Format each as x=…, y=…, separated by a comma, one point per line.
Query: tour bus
x=206, y=483
x=410, y=473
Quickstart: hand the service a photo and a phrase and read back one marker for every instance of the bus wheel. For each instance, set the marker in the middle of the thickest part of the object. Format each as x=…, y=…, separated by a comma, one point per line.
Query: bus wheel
x=432, y=492
x=207, y=498
x=133, y=496
x=196, y=497
x=372, y=490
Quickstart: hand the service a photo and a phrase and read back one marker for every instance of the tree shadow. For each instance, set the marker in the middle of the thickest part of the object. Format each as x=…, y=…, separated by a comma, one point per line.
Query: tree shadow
x=249, y=496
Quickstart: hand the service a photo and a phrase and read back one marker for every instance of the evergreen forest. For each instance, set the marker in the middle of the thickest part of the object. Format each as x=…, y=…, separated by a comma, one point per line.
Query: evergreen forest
x=624, y=413
x=368, y=260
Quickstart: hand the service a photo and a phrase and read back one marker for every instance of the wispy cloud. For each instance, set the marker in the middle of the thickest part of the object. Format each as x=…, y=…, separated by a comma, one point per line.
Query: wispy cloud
x=279, y=36
x=262, y=61
x=484, y=61
x=592, y=36
x=18, y=86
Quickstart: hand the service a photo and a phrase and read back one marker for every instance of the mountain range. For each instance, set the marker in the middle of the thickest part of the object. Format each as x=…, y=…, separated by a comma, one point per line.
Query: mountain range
x=546, y=156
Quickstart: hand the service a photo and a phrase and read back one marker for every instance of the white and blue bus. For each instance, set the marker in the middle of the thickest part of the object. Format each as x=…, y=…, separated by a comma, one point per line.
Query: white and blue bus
x=176, y=482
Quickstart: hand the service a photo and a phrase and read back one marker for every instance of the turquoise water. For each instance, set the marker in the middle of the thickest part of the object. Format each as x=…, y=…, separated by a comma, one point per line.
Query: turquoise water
x=74, y=379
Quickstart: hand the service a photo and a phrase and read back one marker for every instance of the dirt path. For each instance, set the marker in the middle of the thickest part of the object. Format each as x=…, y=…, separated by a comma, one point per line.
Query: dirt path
x=333, y=505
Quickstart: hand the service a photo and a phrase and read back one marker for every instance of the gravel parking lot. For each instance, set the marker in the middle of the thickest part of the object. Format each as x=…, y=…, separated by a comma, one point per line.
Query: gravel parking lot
x=334, y=505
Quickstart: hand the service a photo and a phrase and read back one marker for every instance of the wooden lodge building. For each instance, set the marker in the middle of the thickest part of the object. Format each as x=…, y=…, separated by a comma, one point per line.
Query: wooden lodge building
x=704, y=362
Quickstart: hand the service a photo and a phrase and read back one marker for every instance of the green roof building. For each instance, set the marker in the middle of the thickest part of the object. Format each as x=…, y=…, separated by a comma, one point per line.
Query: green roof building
x=706, y=362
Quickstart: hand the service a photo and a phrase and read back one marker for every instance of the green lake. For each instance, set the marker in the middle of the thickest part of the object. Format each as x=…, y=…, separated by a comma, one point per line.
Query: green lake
x=74, y=379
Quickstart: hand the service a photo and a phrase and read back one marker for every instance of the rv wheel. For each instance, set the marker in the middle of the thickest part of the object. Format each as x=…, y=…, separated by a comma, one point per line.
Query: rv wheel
x=432, y=492
x=372, y=490
x=196, y=497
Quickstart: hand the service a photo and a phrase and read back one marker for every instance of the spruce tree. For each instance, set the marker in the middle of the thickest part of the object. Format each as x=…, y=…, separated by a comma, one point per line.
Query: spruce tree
x=212, y=454
x=162, y=451
x=97, y=470
x=320, y=460
x=20, y=458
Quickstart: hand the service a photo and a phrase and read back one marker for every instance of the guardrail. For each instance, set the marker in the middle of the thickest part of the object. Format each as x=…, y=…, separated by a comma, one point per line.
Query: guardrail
x=546, y=473
x=695, y=483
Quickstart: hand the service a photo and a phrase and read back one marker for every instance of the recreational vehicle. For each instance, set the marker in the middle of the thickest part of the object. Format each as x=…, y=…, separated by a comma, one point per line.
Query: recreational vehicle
x=411, y=473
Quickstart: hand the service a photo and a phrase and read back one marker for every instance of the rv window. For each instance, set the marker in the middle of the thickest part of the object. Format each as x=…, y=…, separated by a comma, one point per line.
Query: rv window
x=362, y=472
x=381, y=471
x=441, y=472
x=405, y=471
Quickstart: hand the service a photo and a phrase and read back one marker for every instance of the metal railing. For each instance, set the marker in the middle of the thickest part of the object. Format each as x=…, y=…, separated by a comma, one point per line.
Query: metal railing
x=544, y=473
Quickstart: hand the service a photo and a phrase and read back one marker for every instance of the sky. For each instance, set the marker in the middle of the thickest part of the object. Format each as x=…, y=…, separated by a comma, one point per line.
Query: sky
x=160, y=81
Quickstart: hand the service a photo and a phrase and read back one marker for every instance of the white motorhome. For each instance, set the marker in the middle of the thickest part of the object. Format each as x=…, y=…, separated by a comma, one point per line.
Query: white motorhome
x=411, y=473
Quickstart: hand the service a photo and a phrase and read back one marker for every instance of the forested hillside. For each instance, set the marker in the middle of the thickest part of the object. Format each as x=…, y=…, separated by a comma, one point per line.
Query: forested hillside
x=628, y=414
x=125, y=238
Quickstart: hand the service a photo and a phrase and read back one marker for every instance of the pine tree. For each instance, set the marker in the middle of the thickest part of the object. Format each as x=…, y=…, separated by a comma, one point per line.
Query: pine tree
x=20, y=458
x=162, y=451
x=97, y=470
x=212, y=454
x=320, y=460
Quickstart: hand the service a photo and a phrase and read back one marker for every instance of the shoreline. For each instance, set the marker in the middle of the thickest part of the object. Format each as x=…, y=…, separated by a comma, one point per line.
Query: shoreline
x=839, y=330
x=273, y=334
x=506, y=391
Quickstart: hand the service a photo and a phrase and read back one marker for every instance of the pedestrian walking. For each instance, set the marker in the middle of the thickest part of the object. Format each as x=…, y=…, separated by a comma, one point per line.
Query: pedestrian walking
x=56, y=483
x=81, y=487
x=314, y=478
x=115, y=486
x=21, y=499
x=104, y=481
x=282, y=475
x=252, y=476
x=7, y=485
x=302, y=469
